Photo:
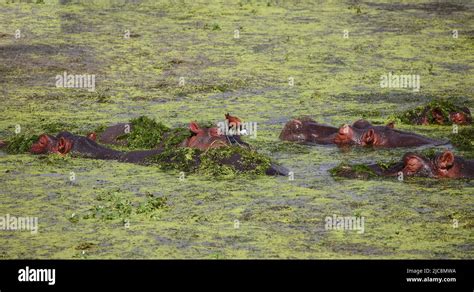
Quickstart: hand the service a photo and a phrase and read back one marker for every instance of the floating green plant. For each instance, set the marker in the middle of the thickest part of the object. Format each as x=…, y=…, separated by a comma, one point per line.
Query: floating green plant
x=464, y=139
x=20, y=143
x=359, y=171
x=146, y=133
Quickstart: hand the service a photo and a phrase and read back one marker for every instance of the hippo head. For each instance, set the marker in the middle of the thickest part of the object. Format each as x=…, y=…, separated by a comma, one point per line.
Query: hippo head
x=361, y=124
x=49, y=144
x=65, y=145
x=45, y=144
x=444, y=164
x=294, y=130
x=205, y=138
x=438, y=116
x=462, y=117
x=350, y=135
x=416, y=165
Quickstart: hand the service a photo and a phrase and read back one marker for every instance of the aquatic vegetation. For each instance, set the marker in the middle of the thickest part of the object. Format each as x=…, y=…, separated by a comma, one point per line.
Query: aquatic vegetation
x=146, y=133
x=358, y=171
x=336, y=81
x=214, y=162
x=20, y=143
x=464, y=140
x=231, y=161
x=114, y=205
x=152, y=204
x=182, y=159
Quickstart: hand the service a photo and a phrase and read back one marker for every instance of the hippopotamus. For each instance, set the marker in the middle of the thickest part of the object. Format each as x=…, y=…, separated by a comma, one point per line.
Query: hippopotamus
x=448, y=165
x=361, y=133
x=66, y=142
x=306, y=130
x=365, y=134
x=441, y=165
x=201, y=138
x=204, y=138
x=440, y=113
x=111, y=135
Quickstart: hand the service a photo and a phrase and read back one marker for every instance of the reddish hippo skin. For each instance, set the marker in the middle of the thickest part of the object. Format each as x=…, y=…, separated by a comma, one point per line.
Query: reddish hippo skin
x=412, y=164
x=365, y=134
x=306, y=130
x=66, y=142
x=449, y=166
x=85, y=147
x=443, y=165
x=461, y=117
x=46, y=144
x=361, y=133
x=204, y=138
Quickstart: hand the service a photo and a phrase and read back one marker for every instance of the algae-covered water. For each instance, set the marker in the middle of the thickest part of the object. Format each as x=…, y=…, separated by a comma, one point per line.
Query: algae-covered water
x=264, y=61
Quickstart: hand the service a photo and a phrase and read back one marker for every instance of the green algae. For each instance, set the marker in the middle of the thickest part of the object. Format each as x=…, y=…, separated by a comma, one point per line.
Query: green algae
x=113, y=205
x=359, y=171
x=20, y=143
x=464, y=140
x=181, y=159
x=232, y=161
x=146, y=133
x=279, y=218
x=222, y=162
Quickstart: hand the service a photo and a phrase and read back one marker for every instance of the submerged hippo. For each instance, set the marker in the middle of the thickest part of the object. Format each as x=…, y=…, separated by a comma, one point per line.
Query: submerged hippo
x=361, y=133
x=201, y=138
x=66, y=142
x=111, y=135
x=441, y=165
x=306, y=130
x=365, y=134
x=204, y=138
x=441, y=113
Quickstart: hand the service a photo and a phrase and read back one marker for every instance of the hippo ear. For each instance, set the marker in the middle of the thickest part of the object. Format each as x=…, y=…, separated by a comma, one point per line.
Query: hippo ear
x=391, y=125
x=369, y=137
x=227, y=115
x=446, y=159
x=44, y=139
x=92, y=136
x=194, y=127
x=41, y=146
x=64, y=145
